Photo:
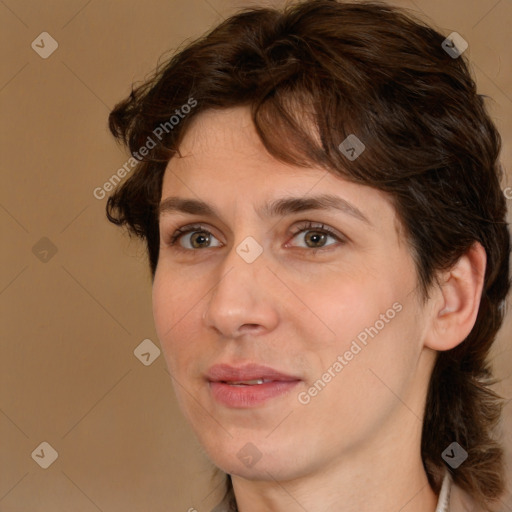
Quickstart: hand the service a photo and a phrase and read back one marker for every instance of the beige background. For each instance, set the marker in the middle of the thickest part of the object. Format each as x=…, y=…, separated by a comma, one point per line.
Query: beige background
x=70, y=324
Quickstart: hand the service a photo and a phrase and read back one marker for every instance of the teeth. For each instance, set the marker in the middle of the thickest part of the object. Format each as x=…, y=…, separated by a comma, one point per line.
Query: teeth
x=249, y=382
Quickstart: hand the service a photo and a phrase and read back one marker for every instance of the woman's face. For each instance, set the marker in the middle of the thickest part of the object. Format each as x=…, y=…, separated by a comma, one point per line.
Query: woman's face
x=338, y=316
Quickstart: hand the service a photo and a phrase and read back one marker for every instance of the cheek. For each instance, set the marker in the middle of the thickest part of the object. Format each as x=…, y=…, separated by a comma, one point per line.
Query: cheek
x=369, y=374
x=164, y=311
x=372, y=309
x=174, y=297
x=353, y=302
x=175, y=321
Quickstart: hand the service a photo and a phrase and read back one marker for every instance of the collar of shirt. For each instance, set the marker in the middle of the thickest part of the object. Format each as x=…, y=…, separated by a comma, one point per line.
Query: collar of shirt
x=228, y=504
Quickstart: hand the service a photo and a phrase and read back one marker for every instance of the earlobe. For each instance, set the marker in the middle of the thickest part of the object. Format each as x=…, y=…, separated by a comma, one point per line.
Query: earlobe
x=456, y=304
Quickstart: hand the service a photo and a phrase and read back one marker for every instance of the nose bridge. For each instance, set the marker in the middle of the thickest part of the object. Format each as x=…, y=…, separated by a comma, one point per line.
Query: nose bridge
x=239, y=296
x=246, y=256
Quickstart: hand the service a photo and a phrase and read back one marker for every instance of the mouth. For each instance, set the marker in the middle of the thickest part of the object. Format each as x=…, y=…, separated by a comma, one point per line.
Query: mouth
x=255, y=382
x=248, y=386
x=249, y=374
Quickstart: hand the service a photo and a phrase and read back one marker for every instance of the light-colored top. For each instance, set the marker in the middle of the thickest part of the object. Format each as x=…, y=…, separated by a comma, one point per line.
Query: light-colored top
x=443, y=504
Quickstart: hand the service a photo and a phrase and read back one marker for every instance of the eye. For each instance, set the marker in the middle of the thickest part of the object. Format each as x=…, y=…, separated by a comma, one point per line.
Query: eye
x=318, y=235
x=199, y=239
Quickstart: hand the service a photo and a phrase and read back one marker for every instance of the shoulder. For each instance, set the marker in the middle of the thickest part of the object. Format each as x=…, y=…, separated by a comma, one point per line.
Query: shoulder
x=461, y=501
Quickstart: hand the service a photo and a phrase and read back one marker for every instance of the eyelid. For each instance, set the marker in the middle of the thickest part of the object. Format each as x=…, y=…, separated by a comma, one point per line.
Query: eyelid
x=318, y=226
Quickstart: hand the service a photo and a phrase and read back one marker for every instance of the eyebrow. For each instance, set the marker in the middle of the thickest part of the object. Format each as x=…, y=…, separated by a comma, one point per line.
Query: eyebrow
x=278, y=207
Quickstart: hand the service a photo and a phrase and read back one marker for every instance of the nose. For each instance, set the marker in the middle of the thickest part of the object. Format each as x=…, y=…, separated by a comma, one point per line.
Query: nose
x=243, y=298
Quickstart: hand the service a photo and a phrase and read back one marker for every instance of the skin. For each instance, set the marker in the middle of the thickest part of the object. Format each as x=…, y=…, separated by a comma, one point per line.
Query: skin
x=356, y=445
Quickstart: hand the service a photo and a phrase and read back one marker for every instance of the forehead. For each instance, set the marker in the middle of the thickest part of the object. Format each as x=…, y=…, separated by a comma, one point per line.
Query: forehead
x=214, y=132
x=224, y=162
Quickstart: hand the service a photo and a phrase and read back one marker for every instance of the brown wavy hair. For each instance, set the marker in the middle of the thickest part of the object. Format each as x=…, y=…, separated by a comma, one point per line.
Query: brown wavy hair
x=376, y=71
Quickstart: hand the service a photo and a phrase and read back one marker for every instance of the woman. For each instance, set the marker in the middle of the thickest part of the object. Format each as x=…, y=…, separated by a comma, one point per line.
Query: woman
x=319, y=191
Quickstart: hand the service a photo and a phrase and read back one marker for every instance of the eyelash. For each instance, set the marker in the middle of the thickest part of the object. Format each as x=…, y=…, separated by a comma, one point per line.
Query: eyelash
x=305, y=226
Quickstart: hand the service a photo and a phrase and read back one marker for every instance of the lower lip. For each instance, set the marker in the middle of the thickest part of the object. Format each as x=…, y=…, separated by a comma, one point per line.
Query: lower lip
x=249, y=396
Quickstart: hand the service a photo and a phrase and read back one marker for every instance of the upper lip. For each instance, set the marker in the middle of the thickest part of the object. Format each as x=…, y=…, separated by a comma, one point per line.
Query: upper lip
x=250, y=371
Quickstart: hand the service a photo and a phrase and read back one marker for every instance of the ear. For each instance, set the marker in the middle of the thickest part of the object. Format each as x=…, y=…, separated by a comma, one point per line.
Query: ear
x=457, y=300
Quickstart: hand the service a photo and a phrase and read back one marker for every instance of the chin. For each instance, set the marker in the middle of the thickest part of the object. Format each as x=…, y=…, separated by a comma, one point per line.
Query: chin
x=252, y=461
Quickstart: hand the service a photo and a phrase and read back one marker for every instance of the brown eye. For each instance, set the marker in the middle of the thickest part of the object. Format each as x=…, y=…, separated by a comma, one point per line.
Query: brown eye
x=317, y=235
x=199, y=238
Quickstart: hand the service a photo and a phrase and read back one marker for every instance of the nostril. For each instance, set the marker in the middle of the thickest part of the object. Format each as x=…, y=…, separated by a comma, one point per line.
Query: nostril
x=250, y=327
